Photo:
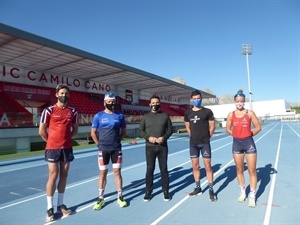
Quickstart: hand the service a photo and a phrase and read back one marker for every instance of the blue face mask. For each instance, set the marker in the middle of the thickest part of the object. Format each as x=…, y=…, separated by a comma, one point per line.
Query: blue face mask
x=197, y=102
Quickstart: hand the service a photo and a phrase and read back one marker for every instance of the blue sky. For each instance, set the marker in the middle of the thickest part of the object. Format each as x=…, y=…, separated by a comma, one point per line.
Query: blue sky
x=199, y=41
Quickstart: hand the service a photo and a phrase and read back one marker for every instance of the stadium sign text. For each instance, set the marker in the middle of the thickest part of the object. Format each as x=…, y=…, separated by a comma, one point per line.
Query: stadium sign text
x=20, y=75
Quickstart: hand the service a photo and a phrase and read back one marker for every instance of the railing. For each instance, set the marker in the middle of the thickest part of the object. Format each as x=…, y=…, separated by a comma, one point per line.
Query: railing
x=15, y=119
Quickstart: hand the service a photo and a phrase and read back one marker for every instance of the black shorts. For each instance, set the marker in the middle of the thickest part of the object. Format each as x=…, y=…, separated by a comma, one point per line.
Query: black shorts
x=105, y=156
x=59, y=155
x=205, y=150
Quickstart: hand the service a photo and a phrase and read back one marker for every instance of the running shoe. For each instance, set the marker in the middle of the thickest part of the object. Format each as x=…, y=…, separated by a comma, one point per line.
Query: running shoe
x=99, y=204
x=197, y=191
x=147, y=196
x=167, y=196
x=121, y=201
x=64, y=210
x=242, y=197
x=252, y=203
x=212, y=196
x=50, y=215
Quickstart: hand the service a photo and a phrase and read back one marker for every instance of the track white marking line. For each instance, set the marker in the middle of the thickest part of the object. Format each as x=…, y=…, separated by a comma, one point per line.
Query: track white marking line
x=294, y=130
x=82, y=182
x=271, y=194
x=130, y=167
x=186, y=197
x=77, y=153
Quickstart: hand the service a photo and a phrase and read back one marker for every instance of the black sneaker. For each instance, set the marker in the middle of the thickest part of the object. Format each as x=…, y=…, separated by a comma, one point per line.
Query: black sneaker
x=147, y=196
x=50, y=215
x=212, y=196
x=197, y=191
x=167, y=196
x=64, y=210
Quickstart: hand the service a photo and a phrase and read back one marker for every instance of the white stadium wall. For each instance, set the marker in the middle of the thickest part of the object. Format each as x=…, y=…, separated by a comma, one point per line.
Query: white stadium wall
x=262, y=108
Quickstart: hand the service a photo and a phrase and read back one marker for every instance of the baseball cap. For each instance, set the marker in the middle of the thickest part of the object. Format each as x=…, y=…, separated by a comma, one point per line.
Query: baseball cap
x=109, y=96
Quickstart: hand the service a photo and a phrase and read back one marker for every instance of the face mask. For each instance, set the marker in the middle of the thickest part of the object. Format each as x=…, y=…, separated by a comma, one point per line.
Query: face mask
x=155, y=108
x=197, y=102
x=63, y=99
x=110, y=106
x=239, y=105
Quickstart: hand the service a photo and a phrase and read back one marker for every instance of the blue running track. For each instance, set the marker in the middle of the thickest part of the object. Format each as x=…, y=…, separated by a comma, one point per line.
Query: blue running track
x=23, y=200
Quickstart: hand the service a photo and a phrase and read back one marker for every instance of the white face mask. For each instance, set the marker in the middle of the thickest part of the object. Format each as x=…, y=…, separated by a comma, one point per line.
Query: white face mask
x=239, y=105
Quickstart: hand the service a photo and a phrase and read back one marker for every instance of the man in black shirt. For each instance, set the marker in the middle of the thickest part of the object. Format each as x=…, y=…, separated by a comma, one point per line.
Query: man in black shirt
x=200, y=125
x=156, y=127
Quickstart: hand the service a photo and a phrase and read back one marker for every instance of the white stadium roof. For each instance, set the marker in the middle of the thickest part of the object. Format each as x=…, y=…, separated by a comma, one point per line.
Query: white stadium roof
x=24, y=49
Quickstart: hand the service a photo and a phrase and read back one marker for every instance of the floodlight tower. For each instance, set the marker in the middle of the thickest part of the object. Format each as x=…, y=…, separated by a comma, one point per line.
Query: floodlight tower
x=247, y=50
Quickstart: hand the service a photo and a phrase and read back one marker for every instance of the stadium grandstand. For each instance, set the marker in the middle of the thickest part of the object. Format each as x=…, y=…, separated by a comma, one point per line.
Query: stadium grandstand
x=32, y=66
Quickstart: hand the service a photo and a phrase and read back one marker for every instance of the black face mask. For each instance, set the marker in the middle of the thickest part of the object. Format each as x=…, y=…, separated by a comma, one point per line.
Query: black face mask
x=155, y=108
x=110, y=106
x=63, y=99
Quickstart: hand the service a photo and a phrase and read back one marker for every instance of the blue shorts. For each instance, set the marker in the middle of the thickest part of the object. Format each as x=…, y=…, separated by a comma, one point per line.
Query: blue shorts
x=59, y=155
x=243, y=146
x=205, y=150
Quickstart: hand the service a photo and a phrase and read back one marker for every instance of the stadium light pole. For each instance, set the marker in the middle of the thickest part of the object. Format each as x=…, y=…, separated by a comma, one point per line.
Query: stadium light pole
x=247, y=50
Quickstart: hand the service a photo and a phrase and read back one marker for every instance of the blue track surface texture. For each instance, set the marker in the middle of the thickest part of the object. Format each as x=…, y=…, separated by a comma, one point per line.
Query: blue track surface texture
x=23, y=199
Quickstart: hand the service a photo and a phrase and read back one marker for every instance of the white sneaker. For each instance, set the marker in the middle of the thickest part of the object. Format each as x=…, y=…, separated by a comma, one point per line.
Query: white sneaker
x=242, y=197
x=252, y=203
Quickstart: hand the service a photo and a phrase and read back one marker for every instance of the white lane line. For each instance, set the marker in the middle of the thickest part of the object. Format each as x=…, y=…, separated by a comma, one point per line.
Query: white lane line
x=6, y=170
x=20, y=202
x=186, y=197
x=77, y=211
x=123, y=169
x=77, y=153
x=294, y=130
x=271, y=194
x=215, y=174
x=83, y=182
x=124, y=190
x=35, y=189
x=92, y=180
x=14, y=193
x=110, y=173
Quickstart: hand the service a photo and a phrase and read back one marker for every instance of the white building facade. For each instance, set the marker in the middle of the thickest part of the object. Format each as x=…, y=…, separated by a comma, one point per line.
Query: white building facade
x=272, y=109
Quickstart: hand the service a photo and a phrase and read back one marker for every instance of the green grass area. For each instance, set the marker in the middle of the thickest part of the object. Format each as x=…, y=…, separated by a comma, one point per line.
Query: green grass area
x=77, y=145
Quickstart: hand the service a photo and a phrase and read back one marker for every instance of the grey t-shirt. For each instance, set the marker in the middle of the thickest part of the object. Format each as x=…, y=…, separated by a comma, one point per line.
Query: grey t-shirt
x=156, y=125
